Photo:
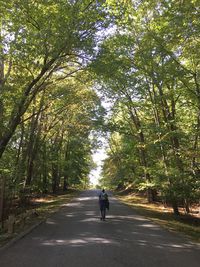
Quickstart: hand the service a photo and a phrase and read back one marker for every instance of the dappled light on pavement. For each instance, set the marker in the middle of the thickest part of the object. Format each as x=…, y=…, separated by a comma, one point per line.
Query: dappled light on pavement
x=79, y=242
x=75, y=236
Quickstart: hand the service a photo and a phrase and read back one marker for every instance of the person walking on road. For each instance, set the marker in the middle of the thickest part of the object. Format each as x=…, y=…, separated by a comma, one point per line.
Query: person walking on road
x=103, y=204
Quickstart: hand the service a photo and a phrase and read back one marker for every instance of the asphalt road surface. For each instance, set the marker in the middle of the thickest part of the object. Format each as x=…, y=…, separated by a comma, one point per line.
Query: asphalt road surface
x=75, y=236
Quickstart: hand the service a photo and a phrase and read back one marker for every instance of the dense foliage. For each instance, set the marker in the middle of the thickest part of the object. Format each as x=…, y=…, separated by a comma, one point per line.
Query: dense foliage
x=142, y=55
x=150, y=68
x=47, y=106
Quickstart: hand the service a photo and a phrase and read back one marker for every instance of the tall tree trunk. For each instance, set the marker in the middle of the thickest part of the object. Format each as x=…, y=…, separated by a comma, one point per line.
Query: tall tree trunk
x=35, y=130
x=142, y=149
x=55, y=182
x=44, y=170
x=65, y=181
x=196, y=144
x=2, y=190
x=31, y=159
x=158, y=124
x=169, y=118
x=30, y=149
x=196, y=169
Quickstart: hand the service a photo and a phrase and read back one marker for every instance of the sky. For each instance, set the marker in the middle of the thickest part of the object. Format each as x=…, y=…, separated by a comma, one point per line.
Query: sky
x=98, y=158
x=100, y=154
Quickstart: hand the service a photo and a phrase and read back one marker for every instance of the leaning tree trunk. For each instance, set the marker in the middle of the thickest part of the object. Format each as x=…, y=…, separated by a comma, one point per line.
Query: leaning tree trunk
x=21, y=107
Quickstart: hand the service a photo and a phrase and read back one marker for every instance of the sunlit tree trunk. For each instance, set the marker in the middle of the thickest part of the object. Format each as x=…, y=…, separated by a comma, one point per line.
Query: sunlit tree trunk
x=143, y=151
x=169, y=119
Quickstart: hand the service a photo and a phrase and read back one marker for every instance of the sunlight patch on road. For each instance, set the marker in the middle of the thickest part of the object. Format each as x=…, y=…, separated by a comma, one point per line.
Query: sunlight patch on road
x=73, y=204
x=79, y=242
x=163, y=245
x=149, y=225
x=90, y=220
x=86, y=198
x=142, y=242
x=176, y=246
x=90, y=213
x=49, y=221
x=70, y=215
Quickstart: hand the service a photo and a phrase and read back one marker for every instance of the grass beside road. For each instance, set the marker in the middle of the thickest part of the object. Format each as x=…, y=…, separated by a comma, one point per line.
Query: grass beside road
x=185, y=224
x=42, y=207
x=52, y=203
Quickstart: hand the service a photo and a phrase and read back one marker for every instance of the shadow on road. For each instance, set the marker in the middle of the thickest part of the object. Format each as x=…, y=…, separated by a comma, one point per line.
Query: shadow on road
x=76, y=235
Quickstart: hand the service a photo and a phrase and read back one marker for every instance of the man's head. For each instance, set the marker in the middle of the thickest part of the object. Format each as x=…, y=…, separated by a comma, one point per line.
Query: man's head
x=103, y=190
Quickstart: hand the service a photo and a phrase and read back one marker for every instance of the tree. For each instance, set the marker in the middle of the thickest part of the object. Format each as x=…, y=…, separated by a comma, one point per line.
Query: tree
x=39, y=40
x=147, y=68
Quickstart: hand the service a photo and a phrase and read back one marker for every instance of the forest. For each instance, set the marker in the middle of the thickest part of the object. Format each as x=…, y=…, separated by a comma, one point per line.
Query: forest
x=60, y=59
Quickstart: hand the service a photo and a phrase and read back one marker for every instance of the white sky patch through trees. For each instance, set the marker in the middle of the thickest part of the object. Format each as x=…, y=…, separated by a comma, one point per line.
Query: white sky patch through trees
x=100, y=154
x=98, y=158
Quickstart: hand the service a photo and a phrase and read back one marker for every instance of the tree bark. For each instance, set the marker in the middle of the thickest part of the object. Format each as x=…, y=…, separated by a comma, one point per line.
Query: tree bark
x=2, y=189
x=142, y=149
x=44, y=170
x=65, y=181
x=55, y=183
x=169, y=118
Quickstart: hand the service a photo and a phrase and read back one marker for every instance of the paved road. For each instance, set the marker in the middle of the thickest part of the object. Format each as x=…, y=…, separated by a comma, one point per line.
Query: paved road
x=75, y=237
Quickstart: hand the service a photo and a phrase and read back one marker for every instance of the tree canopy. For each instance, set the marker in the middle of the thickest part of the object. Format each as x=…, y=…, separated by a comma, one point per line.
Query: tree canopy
x=150, y=68
x=141, y=55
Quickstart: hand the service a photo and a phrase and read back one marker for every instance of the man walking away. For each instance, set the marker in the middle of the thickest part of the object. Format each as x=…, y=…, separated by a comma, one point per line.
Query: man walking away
x=103, y=204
